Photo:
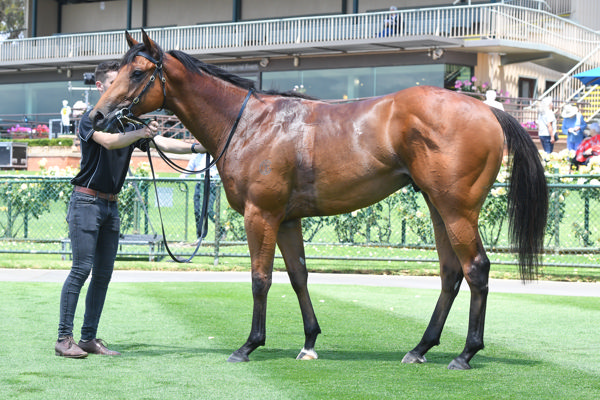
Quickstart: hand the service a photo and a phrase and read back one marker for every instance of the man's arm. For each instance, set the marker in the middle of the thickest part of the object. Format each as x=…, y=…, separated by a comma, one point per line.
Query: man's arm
x=112, y=141
x=176, y=146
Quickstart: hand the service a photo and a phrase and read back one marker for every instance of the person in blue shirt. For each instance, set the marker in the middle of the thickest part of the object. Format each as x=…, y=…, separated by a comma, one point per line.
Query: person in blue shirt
x=573, y=126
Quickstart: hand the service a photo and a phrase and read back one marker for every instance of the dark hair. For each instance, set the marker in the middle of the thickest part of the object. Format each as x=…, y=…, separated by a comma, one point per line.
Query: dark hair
x=103, y=68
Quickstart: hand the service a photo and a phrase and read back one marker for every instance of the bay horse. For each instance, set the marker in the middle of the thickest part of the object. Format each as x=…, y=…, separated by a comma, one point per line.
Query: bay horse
x=293, y=157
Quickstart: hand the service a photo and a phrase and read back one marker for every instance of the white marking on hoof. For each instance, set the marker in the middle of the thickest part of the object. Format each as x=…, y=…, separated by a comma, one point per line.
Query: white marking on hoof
x=307, y=355
x=412, y=358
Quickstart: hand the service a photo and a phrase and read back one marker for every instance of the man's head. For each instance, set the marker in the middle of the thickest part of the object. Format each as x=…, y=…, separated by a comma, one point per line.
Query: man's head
x=105, y=74
x=594, y=129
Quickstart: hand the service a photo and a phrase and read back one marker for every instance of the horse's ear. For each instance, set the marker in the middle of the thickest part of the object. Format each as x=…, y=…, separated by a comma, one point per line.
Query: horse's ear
x=130, y=40
x=151, y=46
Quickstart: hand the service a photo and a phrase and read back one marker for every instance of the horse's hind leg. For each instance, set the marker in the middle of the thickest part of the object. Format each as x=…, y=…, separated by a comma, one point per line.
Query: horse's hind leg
x=289, y=240
x=463, y=235
x=451, y=276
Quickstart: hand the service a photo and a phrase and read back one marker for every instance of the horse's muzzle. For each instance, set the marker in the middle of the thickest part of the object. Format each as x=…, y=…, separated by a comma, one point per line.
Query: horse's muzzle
x=99, y=121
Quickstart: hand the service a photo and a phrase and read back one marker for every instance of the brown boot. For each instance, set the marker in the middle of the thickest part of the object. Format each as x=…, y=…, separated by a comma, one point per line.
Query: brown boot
x=67, y=348
x=97, y=346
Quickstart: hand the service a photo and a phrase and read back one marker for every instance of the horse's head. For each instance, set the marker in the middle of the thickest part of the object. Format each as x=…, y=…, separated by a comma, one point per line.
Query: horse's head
x=139, y=87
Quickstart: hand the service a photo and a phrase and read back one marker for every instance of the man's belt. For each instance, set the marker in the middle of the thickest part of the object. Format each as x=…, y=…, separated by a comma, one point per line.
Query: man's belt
x=95, y=193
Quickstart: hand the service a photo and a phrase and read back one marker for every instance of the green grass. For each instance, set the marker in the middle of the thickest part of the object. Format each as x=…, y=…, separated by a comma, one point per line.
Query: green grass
x=176, y=337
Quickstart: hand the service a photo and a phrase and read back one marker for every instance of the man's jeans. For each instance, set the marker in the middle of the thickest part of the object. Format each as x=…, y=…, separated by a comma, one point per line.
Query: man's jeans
x=198, y=200
x=94, y=231
x=547, y=145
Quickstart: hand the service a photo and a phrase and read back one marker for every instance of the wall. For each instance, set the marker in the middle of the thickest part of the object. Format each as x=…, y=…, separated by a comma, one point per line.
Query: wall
x=587, y=13
x=89, y=17
x=188, y=12
x=505, y=77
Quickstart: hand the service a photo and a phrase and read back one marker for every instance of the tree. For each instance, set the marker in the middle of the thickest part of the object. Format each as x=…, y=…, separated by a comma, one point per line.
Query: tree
x=12, y=18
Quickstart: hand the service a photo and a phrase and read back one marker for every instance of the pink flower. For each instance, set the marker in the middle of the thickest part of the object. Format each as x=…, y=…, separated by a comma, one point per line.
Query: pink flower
x=473, y=79
x=458, y=85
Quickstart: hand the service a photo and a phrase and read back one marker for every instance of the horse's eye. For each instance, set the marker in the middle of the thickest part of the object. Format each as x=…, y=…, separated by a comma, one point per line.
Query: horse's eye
x=137, y=74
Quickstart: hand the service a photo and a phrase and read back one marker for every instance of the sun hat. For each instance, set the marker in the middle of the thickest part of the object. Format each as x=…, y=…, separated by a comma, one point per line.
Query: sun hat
x=569, y=111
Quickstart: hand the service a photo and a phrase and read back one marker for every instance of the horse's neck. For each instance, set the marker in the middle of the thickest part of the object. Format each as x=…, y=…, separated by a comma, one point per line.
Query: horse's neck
x=208, y=109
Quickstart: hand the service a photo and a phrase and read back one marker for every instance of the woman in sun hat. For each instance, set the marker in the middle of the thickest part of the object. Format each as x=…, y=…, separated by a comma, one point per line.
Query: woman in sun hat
x=573, y=126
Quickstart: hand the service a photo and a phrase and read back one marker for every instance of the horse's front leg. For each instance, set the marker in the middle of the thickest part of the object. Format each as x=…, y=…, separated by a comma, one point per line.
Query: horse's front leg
x=261, y=230
x=291, y=244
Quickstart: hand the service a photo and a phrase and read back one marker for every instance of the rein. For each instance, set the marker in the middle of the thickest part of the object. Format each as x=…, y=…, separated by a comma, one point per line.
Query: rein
x=125, y=116
x=206, y=194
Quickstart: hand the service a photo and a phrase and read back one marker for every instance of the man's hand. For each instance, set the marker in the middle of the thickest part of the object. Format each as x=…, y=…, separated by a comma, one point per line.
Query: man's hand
x=151, y=130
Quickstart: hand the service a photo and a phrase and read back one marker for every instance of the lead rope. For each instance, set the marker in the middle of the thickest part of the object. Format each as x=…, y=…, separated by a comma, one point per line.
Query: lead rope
x=203, y=214
x=206, y=170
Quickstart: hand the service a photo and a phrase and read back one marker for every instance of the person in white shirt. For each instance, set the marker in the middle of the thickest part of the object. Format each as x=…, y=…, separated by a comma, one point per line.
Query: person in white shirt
x=490, y=100
x=546, y=124
x=197, y=163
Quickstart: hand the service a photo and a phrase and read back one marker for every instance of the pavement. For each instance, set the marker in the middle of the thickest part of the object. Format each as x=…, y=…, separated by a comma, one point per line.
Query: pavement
x=583, y=289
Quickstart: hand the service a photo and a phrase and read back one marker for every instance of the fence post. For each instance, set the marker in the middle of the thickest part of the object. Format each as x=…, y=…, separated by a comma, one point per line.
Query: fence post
x=217, y=222
x=556, y=207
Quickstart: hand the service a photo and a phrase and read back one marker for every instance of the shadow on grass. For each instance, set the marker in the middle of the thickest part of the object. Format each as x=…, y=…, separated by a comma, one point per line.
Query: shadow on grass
x=265, y=354
x=151, y=349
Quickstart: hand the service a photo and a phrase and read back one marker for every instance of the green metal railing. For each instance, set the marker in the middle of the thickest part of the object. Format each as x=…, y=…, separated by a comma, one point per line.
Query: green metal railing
x=33, y=210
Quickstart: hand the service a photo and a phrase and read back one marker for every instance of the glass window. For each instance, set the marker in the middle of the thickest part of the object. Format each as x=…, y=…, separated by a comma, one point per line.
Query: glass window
x=352, y=83
x=38, y=98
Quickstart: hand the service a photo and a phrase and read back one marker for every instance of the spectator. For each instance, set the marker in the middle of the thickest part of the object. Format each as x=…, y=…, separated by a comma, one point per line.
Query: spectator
x=546, y=124
x=197, y=163
x=573, y=126
x=390, y=24
x=589, y=147
x=490, y=100
x=65, y=117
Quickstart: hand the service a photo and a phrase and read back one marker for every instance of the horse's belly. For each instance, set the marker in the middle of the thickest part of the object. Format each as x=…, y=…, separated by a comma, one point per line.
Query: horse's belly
x=345, y=197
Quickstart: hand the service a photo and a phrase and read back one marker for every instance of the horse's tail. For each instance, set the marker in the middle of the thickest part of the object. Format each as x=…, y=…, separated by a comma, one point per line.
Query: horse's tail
x=527, y=195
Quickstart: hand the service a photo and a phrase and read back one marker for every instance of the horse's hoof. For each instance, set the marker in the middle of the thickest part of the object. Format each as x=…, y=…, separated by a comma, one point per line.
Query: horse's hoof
x=238, y=357
x=459, y=364
x=307, y=355
x=413, y=358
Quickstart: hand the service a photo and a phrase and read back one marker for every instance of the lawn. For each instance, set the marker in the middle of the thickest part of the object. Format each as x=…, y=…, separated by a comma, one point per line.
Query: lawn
x=176, y=337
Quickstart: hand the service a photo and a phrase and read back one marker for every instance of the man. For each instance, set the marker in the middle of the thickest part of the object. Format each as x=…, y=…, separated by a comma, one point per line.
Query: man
x=198, y=163
x=65, y=117
x=94, y=222
x=546, y=124
x=573, y=126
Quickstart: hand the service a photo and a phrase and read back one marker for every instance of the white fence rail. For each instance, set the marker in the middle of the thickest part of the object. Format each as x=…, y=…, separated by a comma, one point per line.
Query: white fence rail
x=489, y=21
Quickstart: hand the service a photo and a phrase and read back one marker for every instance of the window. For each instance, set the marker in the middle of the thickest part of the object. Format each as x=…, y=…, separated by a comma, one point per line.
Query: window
x=527, y=87
x=352, y=83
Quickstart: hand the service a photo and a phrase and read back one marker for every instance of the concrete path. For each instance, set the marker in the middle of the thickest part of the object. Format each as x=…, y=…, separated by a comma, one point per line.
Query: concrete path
x=416, y=282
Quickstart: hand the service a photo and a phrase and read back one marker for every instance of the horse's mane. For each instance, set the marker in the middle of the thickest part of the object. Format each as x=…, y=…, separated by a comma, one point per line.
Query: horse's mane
x=199, y=67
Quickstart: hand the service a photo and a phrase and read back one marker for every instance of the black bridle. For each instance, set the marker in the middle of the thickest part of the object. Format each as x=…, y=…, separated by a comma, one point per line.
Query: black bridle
x=126, y=116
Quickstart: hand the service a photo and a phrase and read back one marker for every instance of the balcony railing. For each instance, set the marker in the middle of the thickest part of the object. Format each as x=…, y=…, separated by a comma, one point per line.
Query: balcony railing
x=469, y=23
